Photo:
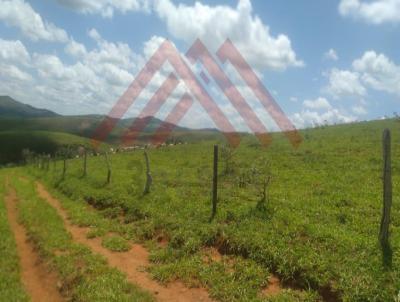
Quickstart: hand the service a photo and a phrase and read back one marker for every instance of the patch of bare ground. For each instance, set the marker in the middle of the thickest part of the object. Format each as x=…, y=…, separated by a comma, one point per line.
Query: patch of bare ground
x=133, y=262
x=276, y=284
x=162, y=240
x=212, y=254
x=40, y=283
x=273, y=288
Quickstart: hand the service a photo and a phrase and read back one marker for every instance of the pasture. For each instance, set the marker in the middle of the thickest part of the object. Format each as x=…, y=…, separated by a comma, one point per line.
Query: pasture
x=291, y=224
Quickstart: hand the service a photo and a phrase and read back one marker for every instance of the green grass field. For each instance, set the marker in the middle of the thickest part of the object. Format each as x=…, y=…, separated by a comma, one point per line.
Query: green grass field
x=317, y=231
x=83, y=275
x=11, y=288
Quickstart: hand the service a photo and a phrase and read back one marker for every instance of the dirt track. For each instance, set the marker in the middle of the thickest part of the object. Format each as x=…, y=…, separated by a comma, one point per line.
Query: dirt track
x=39, y=282
x=132, y=263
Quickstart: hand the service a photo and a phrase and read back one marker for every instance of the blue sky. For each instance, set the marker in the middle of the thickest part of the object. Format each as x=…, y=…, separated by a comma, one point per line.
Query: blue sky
x=323, y=61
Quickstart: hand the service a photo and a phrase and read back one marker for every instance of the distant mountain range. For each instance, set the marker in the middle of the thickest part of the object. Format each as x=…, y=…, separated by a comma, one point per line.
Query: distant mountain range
x=17, y=116
x=10, y=108
x=43, y=131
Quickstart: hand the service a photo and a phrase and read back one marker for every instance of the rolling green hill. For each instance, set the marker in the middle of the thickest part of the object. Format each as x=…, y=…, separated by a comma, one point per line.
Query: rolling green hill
x=317, y=229
x=25, y=127
x=11, y=108
x=12, y=143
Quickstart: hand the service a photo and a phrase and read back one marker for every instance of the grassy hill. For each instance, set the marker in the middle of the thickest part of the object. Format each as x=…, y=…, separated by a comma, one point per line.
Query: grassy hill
x=25, y=127
x=85, y=126
x=317, y=231
x=41, y=142
x=11, y=108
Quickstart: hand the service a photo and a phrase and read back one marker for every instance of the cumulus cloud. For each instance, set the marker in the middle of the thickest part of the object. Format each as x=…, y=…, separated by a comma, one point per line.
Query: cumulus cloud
x=378, y=72
x=214, y=24
x=319, y=103
x=359, y=110
x=13, y=72
x=307, y=118
x=370, y=71
x=91, y=84
x=345, y=83
x=331, y=54
x=375, y=12
x=13, y=51
x=320, y=112
x=106, y=8
x=75, y=49
x=20, y=14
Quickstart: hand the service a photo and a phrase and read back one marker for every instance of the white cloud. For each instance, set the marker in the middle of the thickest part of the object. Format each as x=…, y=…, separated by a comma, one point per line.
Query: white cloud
x=12, y=71
x=20, y=14
x=359, y=110
x=94, y=34
x=370, y=71
x=319, y=112
x=14, y=58
x=51, y=67
x=375, y=12
x=106, y=8
x=13, y=51
x=151, y=46
x=75, y=49
x=91, y=84
x=317, y=104
x=345, y=83
x=214, y=24
x=378, y=72
x=119, y=53
x=312, y=118
x=331, y=54
x=294, y=99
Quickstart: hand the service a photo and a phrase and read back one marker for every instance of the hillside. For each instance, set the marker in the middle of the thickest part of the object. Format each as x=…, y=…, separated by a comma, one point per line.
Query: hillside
x=10, y=108
x=41, y=142
x=25, y=127
x=314, y=238
x=21, y=117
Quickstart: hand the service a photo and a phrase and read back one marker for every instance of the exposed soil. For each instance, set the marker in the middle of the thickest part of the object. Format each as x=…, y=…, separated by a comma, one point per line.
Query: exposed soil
x=40, y=283
x=212, y=254
x=273, y=288
x=132, y=262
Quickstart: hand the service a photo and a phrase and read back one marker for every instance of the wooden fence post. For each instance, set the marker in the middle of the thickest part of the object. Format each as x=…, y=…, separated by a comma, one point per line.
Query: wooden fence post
x=47, y=162
x=387, y=198
x=108, y=168
x=215, y=184
x=64, y=167
x=149, y=179
x=85, y=162
x=41, y=162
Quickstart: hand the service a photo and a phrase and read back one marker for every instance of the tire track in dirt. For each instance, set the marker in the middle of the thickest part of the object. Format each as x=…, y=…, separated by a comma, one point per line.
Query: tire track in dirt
x=39, y=282
x=132, y=262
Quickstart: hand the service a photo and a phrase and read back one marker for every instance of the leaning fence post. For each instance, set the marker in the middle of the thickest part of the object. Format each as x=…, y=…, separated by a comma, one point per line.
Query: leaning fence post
x=215, y=183
x=387, y=198
x=149, y=179
x=108, y=168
